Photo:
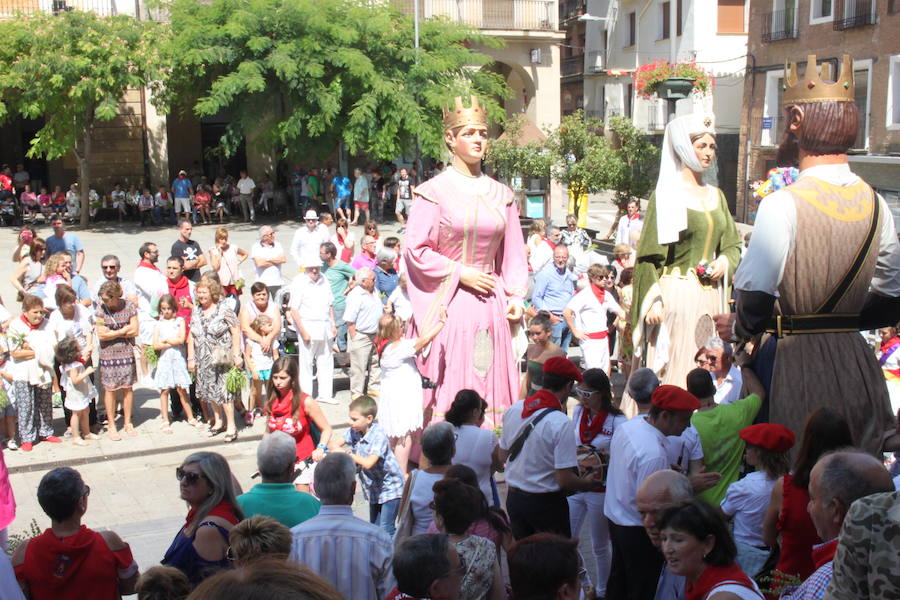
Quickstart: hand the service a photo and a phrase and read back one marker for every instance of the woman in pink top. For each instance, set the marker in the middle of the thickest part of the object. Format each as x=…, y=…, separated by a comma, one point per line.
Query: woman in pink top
x=464, y=250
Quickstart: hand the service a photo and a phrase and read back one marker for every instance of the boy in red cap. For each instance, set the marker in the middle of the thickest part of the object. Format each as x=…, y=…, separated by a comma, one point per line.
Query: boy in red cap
x=639, y=449
x=539, y=442
x=747, y=500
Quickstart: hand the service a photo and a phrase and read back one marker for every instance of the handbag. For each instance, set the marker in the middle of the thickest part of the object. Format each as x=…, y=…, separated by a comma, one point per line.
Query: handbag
x=220, y=357
x=405, y=524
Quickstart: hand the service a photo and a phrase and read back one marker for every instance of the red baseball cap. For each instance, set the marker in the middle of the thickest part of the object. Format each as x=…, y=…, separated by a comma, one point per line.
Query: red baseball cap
x=771, y=436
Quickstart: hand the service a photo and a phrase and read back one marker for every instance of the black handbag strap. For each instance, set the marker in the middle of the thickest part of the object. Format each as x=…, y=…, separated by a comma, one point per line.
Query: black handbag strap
x=517, y=445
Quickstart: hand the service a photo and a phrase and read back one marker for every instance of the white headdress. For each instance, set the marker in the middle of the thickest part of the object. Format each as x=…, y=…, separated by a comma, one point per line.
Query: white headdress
x=677, y=151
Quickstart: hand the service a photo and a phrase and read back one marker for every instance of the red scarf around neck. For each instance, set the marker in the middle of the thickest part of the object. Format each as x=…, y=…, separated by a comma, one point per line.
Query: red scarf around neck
x=713, y=576
x=824, y=553
x=635, y=216
x=30, y=326
x=148, y=265
x=541, y=399
x=599, y=292
x=589, y=428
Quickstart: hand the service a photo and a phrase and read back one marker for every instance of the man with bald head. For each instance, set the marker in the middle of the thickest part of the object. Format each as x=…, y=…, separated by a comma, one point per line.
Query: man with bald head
x=836, y=482
x=660, y=491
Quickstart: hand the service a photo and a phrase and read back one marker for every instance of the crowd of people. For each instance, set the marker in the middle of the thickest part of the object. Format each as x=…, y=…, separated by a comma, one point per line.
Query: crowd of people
x=716, y=475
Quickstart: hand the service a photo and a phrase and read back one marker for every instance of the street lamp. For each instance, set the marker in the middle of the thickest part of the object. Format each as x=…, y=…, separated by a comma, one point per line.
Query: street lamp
x=587, y=17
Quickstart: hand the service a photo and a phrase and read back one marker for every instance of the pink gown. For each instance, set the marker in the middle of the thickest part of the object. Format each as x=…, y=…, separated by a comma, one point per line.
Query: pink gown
x=455, y=221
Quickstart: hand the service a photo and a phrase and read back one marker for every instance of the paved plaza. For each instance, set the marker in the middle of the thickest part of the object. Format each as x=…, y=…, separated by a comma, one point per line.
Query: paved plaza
x=133, y=486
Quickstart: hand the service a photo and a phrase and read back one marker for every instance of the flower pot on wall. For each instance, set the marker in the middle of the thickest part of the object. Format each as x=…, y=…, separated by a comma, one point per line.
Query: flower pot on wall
x=675, y=88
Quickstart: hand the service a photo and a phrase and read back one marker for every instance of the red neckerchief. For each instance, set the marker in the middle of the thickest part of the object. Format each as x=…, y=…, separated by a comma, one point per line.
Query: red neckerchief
x=222, y=510
x=589, y=428
x=824, y=553
x=549, y=243
x=541, y=399
x=635, y=216
x=177, y=285
x=148, y=265
x=381, y=344
x=599, y=292
x=30, y=326
x=713, y=576
x=890, y=344
x=620, y=263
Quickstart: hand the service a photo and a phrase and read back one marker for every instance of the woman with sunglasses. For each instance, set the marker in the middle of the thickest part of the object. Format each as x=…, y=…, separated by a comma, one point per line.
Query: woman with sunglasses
x=596, y=419
x=539, y=350
x=586, y=315
x=200, y=547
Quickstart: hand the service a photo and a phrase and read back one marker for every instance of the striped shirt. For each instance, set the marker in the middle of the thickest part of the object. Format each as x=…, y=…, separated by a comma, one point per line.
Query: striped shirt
x=354, y=556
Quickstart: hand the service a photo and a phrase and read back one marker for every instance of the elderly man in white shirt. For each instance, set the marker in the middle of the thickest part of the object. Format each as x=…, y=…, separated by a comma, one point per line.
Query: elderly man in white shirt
x=309, y=237
x=312, y=312
x=639, y=448
x=363, y=311
x=268, y=257
x=110, y=266
x=726, y=376
x=245, y=187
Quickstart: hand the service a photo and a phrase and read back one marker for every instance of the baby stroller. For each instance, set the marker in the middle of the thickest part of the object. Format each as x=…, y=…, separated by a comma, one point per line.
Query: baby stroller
x=8, y=211
x=288, y=337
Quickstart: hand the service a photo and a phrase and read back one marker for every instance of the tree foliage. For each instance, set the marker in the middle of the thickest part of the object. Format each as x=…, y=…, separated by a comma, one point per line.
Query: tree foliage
x=509, y=157
x=71, y=70
x=638, y=161
x=298, y=76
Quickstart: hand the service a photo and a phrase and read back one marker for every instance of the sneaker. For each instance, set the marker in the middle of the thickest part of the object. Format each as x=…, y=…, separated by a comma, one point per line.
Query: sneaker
x=52, y=439
x=26, y=446
x=12, y=445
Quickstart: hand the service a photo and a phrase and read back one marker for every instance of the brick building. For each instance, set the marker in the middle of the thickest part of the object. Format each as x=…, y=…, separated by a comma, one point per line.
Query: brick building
x=868, y=30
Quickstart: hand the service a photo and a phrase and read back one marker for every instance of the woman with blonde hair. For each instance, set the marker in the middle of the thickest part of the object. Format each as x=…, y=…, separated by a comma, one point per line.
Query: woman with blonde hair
x=213, y=348
x=210, y=490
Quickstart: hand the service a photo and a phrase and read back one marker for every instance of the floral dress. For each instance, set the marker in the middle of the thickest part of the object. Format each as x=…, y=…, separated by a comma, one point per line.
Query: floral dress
x=209, y=332
x=117, y=370
x=480, y=555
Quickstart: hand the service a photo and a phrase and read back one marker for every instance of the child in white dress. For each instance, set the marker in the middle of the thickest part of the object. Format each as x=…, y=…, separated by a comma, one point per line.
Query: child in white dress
x=75, y=379
x=171, y=369
x=400, y=408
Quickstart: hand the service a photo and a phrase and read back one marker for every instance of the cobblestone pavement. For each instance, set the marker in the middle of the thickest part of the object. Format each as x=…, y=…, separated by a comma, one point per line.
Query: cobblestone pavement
x=133, y=486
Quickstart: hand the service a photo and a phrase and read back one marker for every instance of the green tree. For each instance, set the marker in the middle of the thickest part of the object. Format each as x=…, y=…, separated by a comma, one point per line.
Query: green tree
x=298, y=76
x=510, y=158
x=71, y=70
x=639, y=161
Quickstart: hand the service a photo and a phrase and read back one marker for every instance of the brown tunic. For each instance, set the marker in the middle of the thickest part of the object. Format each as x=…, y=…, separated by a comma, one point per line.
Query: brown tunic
x=835, y=370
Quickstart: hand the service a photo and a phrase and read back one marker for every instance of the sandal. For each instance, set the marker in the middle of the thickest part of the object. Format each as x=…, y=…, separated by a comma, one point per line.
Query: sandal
x=114, y=436
x=130, y=430
x=166, y=427
x=195, y=423
x=230, y=437
x=211, y=432
x=91, y=436
x=79, y=442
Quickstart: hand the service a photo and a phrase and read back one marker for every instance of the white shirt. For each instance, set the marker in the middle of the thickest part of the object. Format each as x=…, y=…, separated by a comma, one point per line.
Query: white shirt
x=36, y=339
x=402, y=304
x=729, y=391
x=363, y=309
x=270, y=275
x=584, y=261
x=762, y=268
x=313, y=301
x=550, y=446
x=747, y=500
x=590, y=315
x=150, y=285
x=306, y=243
x=77, y=327
x=474, y=448
x=626, y=228
x=638, y=450
x=685, y=447
x=129, y=291
x=262, y=361
x=245, y=185
x=541, y=254
x=603, y=439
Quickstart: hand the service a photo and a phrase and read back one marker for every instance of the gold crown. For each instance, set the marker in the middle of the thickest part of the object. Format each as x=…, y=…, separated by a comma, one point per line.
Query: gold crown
x=460, y=115
x=812, y=88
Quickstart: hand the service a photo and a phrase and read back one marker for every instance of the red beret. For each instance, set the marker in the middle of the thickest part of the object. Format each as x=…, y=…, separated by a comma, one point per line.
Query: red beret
x=771, y=436
x=672, y=397
x=558, y=365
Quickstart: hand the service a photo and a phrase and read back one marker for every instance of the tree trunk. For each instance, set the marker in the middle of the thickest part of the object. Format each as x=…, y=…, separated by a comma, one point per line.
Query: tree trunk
x=84, y=175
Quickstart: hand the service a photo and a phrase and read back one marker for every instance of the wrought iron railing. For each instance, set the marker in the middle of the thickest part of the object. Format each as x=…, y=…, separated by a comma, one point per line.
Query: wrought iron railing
x=853, y=13
x=488, y=14
x=596, y=61
x=574, y=65
x=655, y=119
x=9, y=8
x=779, y=25
x=569, y=9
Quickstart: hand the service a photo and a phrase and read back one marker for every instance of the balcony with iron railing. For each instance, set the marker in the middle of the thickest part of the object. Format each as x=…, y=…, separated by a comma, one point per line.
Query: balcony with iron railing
x=853, y=13
x=572, y=66
x=488, y=14
x=569, y=9
x=779, y=25
x=655, y=119
x=596, y=61
x=9, y=8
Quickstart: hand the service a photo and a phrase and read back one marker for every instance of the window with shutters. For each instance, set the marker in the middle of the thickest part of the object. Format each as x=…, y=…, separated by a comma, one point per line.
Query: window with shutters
x=731, y=16
x=664, y=21
x=631, y=30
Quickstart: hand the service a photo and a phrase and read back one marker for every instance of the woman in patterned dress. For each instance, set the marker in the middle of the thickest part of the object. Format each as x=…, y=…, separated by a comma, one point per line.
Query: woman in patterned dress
x=116, y=325
x=214, y=325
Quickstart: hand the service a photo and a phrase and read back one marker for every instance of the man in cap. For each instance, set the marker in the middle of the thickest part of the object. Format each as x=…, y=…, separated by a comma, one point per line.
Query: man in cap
x=312, y=311
x=539, y=441
x=639, y=449
x=825, y=247
x=309, y=237
x=183, y=191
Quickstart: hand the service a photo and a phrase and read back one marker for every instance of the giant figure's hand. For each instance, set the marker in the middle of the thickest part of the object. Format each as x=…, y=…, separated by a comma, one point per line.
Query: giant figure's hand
x=655, y=314
x=725, y=326
x=477, y=280
x=718, y=268
x=514, y=313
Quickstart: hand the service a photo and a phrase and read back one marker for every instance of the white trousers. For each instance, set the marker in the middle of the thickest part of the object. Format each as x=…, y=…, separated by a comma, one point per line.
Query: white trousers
x=590, y=505
x=595, y=354
x=318, y=351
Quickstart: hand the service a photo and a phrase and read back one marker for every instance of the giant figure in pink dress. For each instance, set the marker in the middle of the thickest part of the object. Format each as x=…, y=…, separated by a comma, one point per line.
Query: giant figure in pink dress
x=465, y=251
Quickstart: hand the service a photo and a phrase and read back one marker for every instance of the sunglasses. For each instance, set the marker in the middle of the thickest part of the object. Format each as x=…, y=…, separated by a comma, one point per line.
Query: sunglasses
x=189, y=477
x=583, y=393
x=112, y=267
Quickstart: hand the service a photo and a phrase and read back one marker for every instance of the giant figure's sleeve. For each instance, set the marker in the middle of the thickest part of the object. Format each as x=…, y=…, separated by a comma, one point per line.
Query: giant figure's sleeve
x=432, y=278
x=651, y=256
x=512, y=261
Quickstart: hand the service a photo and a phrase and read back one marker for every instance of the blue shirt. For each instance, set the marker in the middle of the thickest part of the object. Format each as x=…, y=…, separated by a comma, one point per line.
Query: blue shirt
x=385, y=282
x=341, y=186
x=552, y=289
x=384, y=481
x=182, y=187
x=69, y=243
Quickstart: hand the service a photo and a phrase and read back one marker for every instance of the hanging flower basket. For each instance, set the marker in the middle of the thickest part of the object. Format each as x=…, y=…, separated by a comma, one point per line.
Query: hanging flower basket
x=671, y=80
